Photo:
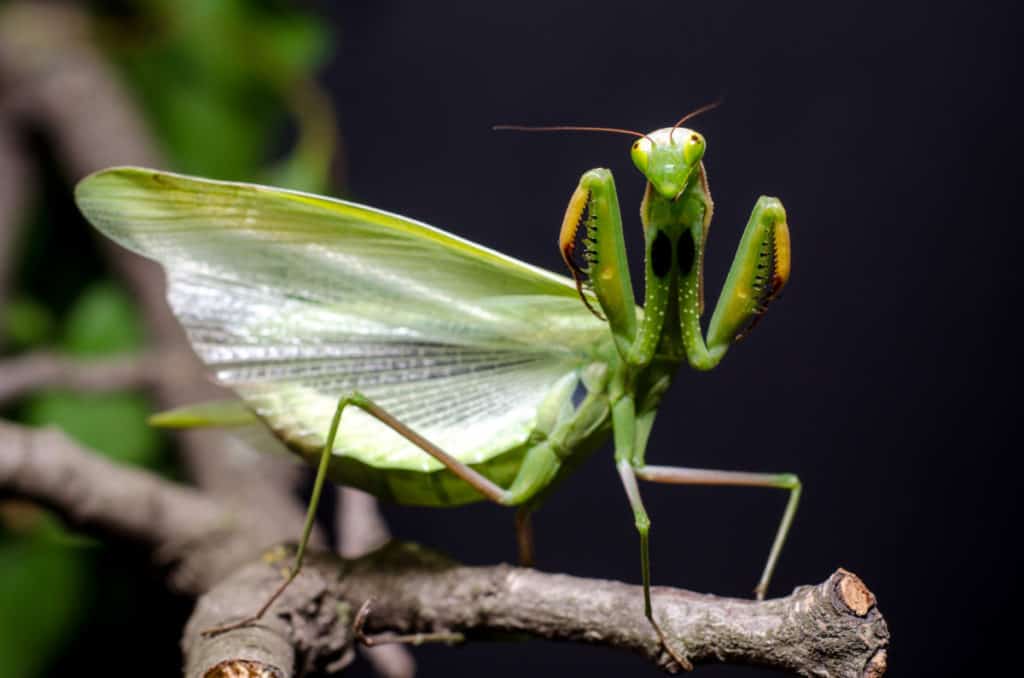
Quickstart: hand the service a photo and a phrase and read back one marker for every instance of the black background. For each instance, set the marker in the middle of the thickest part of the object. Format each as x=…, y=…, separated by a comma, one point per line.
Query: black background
x=884, y=377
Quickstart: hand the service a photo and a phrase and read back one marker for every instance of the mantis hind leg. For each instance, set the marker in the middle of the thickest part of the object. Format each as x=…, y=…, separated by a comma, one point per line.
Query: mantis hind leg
x=539, y=464
x=307, y=529
x=692, y=476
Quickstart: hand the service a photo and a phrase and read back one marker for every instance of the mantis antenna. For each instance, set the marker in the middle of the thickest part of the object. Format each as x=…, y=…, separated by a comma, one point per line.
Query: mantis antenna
x=569, y=128
x=565, y=128
x=693, y=114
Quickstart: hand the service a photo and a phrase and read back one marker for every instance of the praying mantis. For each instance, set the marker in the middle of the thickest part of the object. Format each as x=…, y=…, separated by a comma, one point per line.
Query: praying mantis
x=428, y=370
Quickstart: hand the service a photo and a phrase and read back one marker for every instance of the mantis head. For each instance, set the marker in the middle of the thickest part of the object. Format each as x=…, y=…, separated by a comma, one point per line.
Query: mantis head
x=668, y=158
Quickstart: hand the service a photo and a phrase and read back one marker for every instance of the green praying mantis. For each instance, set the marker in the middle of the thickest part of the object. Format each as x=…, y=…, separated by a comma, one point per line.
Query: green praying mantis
x=428, y=370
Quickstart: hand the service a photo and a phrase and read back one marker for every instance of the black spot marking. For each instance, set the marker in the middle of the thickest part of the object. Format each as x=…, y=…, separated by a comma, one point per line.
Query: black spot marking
x=661, y=255
x=686, y=253
x=579, y=394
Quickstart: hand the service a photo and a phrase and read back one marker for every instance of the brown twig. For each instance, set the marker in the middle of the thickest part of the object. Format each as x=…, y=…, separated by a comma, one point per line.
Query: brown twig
x=205, y=539
x=301, y=636
x=832, y=629
x=28, y=372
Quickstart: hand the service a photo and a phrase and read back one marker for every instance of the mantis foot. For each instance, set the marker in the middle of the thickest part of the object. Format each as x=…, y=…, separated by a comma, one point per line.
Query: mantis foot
x=224, y=628
x=683, y=662
x=288, y=573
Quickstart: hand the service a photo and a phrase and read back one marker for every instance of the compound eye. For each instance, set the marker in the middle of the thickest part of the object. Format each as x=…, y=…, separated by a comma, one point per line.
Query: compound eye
x=693, y=149
x=640, y=152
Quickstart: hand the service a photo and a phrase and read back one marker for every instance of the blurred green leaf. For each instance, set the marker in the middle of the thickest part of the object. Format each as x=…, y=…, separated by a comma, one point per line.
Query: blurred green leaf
x=290, y=45
x=300, y=173
x=43, y=588
x=26, y=322
x=111, y=423
x=102, y=321
x=214, y=76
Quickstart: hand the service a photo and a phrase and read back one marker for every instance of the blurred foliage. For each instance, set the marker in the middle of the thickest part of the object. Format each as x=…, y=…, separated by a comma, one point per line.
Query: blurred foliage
x=103, y=321
x=26, y=322
x=30, y=623
x=215, y=76
x=228, y=88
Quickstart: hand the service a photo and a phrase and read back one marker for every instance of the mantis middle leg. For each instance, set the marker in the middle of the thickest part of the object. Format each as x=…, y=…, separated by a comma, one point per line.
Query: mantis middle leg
x=694, y=476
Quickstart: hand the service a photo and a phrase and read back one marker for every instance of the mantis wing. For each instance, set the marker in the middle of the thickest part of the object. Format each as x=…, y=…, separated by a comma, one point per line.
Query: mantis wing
x=295, y=300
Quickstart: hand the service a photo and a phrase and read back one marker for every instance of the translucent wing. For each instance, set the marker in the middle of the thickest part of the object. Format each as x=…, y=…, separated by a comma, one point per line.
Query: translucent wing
x=295, y=300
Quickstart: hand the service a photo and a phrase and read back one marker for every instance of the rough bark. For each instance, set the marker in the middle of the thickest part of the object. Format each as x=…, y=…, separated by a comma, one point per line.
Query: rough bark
x=831, y=629
x=200, y=538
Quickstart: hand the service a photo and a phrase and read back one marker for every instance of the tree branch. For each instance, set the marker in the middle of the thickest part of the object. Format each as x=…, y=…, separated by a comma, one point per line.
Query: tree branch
x=831, y=629
x=204, y=538
x=28, y=372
